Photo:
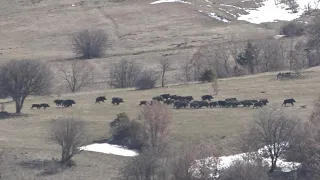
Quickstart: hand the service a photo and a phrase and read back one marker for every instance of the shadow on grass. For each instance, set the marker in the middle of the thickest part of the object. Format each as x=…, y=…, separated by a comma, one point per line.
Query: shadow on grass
x=46, y=167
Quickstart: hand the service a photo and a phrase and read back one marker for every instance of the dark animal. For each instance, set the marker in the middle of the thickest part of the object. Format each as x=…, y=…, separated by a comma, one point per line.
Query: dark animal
x=194, y=104
x=117, y=100
x=264, y=101
x=188, y=98
x=231, y=99
x=203, y=104
x=144, y=103
x=288, y=101
x=174, y=97
x=233, y=103
x=158, y=98
x=58, y=102
x=213, y=104
x=168, y=101
x=68, y=103
x=247, y=103
x=206, y=97
x=44, y=105
x=180, y=104
x=38, y=106
x=100, y=98
x=222, y=103
x=258, y=104
x=165, y=96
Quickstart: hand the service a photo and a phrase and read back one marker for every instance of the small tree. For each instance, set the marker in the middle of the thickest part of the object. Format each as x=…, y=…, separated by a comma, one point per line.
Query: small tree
x=3, y=106
x=275, y=131
x=90, y=43
x=156, y=119
x=249, y=56
x=77, y=74
x=207, y=76
x=124, y=74
x=165, y=65
x=19, y=79
x=147, y=80
x=70, y=134
x=128, y=132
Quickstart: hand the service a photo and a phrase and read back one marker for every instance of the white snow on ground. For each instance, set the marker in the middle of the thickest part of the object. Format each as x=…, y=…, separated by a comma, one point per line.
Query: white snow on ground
x=270, y=12
x=227, y=5
x=109, y=149
x=226, y=161
x=167, y=1
x=213, y=15
x=227, y=12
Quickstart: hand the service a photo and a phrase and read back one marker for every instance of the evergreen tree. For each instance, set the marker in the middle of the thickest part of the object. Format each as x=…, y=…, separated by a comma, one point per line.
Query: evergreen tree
x=247, y=57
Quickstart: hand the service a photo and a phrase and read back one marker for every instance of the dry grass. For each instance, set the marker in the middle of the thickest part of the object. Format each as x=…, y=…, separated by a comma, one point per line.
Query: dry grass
x=29, y=134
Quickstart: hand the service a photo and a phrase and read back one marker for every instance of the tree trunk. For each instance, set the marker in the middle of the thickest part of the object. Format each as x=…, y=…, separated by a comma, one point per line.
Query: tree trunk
x=18, y=106
x=273, y=165
x=162, y=82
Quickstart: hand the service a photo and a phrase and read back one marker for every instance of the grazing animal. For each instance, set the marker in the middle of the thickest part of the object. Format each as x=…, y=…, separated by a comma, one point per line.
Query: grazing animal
x=206, y=97
x=233, y=103
x=231, y=99
x=222, y=103
x=165, y=96
x=288, y=101
x=203, y=104
x=258, y=104
x=188, y=98
x=68, y=103
x=58, y=102
x=143, y=103
x=247, y=103
x=158, y=98
x=117, y=100
x=264, y=101
x=213, y=104
x=174, y=97
x=194, y=104
x=168, y=101
x=180, y=104
x=44, y=105
x=100, y=98
x=38, y=106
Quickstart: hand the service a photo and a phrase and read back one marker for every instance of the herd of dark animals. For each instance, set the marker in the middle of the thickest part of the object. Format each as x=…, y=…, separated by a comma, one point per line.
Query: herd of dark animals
x=177, y=102
x=188, y=101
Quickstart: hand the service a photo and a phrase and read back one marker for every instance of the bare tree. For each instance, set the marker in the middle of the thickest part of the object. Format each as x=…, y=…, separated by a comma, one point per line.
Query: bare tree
x=77, y=74
x=124, y=74
x=182, y=161
x=165, y=65
x=221, y=54
x=272, y=56
x=275, y=131
x=314, y=42
x=157, y=118
x=19, y=79
x=90, y=43
x=147, y=80
x=70, y=134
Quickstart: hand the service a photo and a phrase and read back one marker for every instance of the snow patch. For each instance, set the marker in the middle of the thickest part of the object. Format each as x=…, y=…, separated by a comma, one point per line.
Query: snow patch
x=167, y=1
x=109, y=149
x=270, y=12
x=227, y=12
x=215, y=16
x=227, y=5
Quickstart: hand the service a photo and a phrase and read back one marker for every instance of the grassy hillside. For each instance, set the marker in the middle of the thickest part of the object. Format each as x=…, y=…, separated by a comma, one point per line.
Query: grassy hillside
x=28, y=134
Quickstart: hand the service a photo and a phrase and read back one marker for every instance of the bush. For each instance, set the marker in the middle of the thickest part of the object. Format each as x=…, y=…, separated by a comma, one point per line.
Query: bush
x=293, y=29
x=207, y=76
x=147, y=80
x=90, y=43
x=124, y=74
x=128, y=132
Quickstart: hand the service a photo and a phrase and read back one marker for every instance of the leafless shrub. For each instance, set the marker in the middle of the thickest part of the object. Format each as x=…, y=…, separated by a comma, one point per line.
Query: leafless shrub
x=293, y=29
x=20, y=79
x=215, y=87
x=146, y=166
x=77, y=74
x=181, y=162
x=274, y=130
x=90, y=43
x=124, y=74
x=314, y=43
x=272, y=56
x=165, y=66
x=147, y=80
x=243, y=170
x=293, y=5
x=306, y=148
x=156, y=118
x=70, y=134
